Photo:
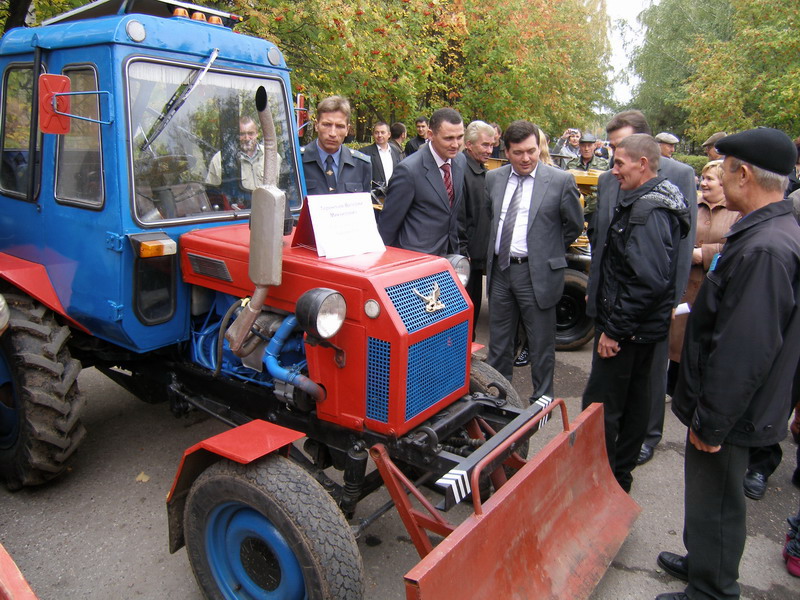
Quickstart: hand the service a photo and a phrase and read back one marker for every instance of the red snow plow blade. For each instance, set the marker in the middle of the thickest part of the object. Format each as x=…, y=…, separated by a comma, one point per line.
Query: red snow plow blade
x=13, y=585
x=550, y=532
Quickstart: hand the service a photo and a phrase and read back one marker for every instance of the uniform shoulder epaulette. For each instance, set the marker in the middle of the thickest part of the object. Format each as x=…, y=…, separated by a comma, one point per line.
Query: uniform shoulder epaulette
x=361, y=156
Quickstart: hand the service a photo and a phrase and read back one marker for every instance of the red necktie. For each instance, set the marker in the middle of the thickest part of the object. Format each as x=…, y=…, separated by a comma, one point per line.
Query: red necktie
x=448, y=182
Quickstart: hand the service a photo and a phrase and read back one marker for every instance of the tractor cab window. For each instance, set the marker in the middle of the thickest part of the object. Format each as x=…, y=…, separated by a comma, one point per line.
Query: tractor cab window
x=196, y=148
x=79, y=168
x=16, y=135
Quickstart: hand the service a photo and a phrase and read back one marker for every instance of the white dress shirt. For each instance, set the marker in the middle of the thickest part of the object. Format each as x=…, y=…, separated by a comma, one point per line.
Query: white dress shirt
x=519, y=240
x=386, y=161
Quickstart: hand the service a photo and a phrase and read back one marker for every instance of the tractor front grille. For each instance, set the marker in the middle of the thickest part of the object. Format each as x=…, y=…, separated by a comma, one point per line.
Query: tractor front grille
x=406, y=379
x=411, y=307
x=436, y=367
x=378, y=354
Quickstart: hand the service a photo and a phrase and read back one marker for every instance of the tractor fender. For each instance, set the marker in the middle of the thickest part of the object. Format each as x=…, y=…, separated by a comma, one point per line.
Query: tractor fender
x=243, y=444
x=33, y=279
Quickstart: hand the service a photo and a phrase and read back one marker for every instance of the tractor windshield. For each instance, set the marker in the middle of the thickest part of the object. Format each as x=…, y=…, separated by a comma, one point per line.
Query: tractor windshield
x=209, y=156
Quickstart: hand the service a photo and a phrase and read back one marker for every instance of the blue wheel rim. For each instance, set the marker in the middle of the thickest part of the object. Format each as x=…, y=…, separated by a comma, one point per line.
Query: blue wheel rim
x=235, y=530
x=9, y=416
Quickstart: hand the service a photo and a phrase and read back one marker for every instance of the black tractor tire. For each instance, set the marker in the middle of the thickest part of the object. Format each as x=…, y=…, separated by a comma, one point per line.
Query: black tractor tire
x=287, y=535
x=574, y=327
x=40, y=405
x=485, y=379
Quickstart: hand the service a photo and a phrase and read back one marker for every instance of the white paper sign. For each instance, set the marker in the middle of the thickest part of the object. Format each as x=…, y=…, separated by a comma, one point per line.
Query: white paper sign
x=344, y=224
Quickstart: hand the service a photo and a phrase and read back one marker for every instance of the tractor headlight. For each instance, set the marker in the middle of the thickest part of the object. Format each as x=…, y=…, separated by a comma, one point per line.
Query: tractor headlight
x=461, y=265
x=321, y=312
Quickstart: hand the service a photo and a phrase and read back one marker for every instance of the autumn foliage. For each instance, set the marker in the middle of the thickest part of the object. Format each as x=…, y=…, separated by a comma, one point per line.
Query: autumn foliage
x=394, y=59
x=719, y=65
x=544, y=60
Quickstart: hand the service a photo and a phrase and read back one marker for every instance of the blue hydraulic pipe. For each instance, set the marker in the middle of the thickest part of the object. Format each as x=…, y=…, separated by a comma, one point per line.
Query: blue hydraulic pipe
x=294, y=378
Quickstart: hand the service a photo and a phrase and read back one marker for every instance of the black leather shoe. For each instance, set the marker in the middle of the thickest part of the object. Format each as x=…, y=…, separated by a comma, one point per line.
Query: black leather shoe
x=674, y=564
x=673, y=596
x=755, y=485
x=645, y=454
x=523, y=360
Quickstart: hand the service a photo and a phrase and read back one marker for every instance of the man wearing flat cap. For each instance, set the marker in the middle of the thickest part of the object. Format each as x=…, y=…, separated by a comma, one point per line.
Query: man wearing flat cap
x=708, y=146
x=667, y=142
x=739, y=357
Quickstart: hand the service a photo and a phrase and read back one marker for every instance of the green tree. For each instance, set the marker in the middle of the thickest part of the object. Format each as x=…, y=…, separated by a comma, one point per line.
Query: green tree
x=540, y=60
x=752, y=79
x=673, y=28
x=394, y=59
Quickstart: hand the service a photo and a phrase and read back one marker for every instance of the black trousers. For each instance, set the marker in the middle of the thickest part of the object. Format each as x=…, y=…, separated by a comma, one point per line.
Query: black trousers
x=658, y=389
x=765, y=459
x=715, y=520
x=622, y=385
x=475, y=291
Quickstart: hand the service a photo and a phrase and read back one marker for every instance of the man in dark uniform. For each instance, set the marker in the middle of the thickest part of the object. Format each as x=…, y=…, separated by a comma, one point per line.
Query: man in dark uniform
x=330, y=167
x=739, y=357
x=588, y=161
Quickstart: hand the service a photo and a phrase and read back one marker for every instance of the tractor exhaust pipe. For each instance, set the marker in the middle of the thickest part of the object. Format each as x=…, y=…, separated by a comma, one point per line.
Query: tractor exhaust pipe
x=266, y=232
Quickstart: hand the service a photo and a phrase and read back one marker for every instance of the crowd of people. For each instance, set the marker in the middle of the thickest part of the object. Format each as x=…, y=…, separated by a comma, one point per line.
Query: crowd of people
x=693, y=296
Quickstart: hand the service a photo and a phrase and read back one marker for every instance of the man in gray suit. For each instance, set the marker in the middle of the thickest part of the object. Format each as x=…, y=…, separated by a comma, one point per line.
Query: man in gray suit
x=609, y=195
x=425, y=192
x=536, y=215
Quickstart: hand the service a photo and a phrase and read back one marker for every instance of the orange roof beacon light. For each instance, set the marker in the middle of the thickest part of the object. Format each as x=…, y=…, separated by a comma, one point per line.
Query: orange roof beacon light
x=198, y=16
x=180, y=12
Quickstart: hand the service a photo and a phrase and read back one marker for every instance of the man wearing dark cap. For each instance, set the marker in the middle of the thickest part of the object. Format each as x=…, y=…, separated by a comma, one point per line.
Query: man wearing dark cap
x=708, y=145
x=667, y=142
x=739, y=357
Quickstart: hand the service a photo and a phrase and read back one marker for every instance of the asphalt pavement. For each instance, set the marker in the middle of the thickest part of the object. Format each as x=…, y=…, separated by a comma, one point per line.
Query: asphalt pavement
x=99, y=532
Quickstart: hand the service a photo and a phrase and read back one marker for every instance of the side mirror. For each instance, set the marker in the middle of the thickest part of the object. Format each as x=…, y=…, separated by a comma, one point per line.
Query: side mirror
x=53, y=106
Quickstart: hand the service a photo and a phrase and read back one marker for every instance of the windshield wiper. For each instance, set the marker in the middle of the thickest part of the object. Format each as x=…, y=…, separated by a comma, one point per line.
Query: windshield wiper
x=174, y=104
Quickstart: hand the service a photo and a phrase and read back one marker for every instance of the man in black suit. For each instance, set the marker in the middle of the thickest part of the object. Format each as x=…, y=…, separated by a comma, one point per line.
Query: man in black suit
x=330, y=167
x=384, y=157
x=418, y=140
x=423, y=202
x=609, y=195
x=536, y=215
x=479, y=143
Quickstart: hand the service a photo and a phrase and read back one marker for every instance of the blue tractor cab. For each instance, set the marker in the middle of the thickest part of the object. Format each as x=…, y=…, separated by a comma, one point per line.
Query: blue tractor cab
x=157, y=95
